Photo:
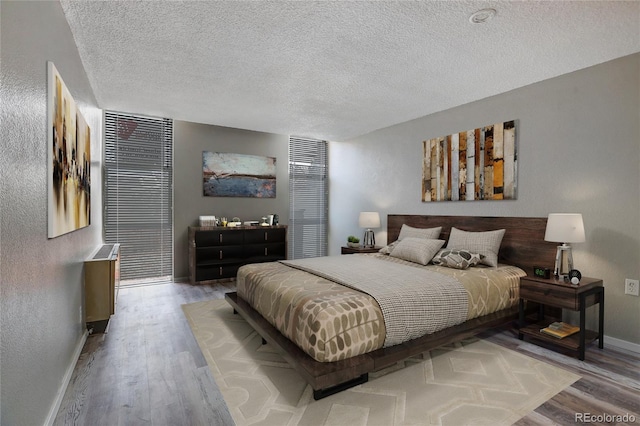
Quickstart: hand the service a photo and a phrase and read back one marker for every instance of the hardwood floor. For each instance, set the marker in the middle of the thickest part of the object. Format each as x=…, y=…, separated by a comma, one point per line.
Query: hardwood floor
x=148, y=370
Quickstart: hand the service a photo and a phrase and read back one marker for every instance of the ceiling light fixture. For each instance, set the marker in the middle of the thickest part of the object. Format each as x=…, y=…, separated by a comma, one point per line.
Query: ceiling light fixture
x=482, y=16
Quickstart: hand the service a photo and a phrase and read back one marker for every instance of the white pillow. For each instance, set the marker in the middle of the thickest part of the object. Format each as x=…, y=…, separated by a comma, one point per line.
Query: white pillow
x=417, y=250
x=486, y=243
x=428, y=233
x=410, y=231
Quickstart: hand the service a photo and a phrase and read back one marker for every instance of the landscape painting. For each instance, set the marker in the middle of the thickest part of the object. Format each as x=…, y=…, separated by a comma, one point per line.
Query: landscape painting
x=68, y=160
x=478, y=164
x=238, y=175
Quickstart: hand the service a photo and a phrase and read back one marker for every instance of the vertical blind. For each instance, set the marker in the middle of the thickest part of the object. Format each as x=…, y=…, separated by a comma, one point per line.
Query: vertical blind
x=308, y=198
x=138, y=200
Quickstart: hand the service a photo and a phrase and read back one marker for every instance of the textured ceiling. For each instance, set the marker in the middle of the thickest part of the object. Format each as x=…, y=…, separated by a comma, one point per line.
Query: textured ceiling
x=333, y=69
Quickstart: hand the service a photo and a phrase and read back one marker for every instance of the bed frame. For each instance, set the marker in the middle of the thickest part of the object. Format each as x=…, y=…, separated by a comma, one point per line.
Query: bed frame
x=523, y=245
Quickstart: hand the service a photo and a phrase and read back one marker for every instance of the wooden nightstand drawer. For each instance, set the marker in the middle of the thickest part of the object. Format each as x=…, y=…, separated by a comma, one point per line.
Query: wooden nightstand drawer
x=552, y=292
x=549, y=294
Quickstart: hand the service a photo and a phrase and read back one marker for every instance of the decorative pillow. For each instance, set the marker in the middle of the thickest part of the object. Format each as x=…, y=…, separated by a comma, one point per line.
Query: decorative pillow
x=458, y=259
x=428, y=233
x=418, y=250
x=388, y=249
x=486, y=243
x=410, y=231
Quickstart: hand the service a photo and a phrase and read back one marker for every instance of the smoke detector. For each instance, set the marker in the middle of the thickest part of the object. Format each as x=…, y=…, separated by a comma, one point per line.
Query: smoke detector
x=482, y=16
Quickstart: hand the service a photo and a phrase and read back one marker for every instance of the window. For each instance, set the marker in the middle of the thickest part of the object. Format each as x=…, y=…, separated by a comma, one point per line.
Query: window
x=138, y=200
x=308, y=198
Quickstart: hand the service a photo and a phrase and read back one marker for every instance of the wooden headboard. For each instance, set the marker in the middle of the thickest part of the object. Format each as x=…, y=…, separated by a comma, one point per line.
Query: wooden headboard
x=523, y=243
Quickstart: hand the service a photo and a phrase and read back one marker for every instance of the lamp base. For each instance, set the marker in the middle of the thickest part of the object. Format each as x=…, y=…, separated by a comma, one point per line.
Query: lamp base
x=369, y=240
x=564, y=261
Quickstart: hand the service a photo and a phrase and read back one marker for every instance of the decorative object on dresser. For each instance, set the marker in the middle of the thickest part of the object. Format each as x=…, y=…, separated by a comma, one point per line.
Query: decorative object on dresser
x=216, y=254
x=272, y=219
x=101, y=283
x=478, y=164
x=208, y=221
x=557, y=293
x=369, y=220
x=564, y=228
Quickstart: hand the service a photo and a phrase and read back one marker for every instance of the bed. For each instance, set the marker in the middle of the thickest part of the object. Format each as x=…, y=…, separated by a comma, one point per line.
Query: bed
x=287, y=302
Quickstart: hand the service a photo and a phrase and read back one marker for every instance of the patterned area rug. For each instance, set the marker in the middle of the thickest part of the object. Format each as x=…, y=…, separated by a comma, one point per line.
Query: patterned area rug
x=469, y=382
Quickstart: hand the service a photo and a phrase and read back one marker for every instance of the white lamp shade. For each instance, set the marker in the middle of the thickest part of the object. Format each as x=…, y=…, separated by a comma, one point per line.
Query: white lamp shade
x=565, y=228
x=369, y=220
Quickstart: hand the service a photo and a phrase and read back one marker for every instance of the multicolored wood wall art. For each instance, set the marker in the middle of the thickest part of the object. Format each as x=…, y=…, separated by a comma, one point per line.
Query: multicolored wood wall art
x=479, y=164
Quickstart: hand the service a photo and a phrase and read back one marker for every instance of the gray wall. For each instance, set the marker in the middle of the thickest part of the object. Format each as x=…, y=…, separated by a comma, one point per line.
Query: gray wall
x=41, y=291
x=190, y=139
x=579, y=151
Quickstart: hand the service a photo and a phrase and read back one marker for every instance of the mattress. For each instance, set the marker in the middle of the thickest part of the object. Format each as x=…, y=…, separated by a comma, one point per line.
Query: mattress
x=331, y=321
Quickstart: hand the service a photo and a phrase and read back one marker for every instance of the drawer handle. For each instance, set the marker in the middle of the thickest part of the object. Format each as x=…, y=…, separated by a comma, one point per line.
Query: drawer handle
x=221, y=271
x=220, y=235
x=266, y=236
x=220, y=254
x=265, y=251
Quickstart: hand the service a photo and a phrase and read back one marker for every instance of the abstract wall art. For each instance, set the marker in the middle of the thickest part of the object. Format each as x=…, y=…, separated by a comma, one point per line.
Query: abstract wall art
x=238, y=175
x=478, y=164
x=68, y=160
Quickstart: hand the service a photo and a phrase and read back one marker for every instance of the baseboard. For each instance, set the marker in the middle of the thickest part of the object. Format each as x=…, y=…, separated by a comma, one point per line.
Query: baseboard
x=622, y=344
x=53, y=412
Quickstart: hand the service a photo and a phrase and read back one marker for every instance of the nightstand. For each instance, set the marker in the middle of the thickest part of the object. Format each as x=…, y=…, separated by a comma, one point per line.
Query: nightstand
x=559, y=294
x=352, y=250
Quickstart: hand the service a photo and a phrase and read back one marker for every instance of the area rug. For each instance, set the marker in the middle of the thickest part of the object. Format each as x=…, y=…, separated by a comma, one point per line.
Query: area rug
x=469, y=382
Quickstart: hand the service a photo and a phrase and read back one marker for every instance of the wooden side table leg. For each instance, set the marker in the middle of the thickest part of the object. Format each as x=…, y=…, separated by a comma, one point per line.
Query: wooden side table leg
x=582, y=327
x=521, y=318
x=601, y=320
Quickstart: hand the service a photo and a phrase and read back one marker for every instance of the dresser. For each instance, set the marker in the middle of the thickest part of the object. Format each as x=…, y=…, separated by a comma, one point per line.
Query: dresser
x=216, y=253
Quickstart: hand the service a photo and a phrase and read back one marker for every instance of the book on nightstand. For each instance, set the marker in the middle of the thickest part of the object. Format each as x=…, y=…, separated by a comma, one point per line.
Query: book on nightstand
x=560, y=330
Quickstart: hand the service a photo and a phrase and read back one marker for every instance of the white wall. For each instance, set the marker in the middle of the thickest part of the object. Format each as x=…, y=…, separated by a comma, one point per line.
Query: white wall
x=578, y=151
x=41, y=287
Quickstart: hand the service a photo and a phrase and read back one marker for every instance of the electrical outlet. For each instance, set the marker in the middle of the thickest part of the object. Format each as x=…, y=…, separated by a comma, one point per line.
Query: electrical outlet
x=632, y=287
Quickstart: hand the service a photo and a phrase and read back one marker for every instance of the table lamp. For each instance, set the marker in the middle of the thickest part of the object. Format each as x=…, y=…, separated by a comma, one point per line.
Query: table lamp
x=564, y=228
x=369, y=220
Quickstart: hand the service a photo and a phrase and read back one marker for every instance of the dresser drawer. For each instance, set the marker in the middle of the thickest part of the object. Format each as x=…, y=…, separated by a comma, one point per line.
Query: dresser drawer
x=257, y=236
x=208, y=255
x=265, y=252
x=216, y=272
x=218, y=238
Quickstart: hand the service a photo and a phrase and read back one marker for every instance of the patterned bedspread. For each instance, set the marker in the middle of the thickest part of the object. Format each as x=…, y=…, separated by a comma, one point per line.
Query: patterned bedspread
x=330, y=321
x=414, y=301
